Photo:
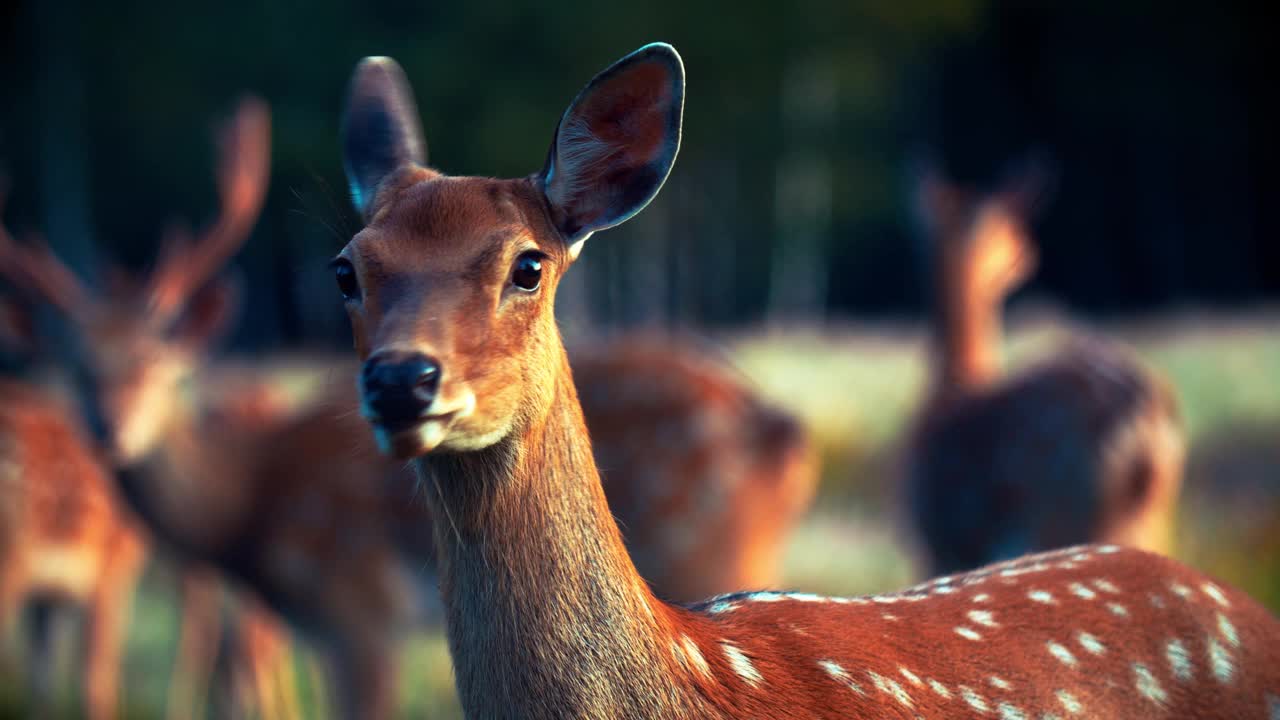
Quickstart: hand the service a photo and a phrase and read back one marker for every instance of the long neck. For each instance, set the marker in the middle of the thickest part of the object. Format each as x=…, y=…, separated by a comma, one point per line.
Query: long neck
x=547, y=615
x=189, y=489
x=967, y=335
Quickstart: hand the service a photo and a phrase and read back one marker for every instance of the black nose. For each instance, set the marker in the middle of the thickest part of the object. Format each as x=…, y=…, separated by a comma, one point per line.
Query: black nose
x=398, y=388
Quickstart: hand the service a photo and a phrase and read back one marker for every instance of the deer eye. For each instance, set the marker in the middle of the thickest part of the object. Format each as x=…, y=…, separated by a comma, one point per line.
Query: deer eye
x=345, y=274
x=527, y=274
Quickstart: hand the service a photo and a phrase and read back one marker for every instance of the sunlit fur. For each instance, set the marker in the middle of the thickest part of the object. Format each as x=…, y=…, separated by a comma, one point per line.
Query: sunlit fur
x=435, y=265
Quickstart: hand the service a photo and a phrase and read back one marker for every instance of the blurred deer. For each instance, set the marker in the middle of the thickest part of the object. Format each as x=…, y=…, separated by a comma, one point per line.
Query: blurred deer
x=64, y=540
x=706, y=479
x=1085, y=446
x=267, y=500
x=138, y=343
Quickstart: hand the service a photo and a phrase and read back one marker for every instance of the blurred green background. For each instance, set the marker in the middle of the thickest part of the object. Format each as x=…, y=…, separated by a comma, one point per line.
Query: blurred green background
x=785, y=230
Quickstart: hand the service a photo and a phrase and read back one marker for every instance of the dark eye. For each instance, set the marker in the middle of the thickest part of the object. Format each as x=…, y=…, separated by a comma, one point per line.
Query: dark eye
x=345, y=274
x=528, y=271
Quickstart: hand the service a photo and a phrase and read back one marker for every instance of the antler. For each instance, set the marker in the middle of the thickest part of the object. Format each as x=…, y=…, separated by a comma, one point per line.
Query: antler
x=34, y=267
x=243, y=169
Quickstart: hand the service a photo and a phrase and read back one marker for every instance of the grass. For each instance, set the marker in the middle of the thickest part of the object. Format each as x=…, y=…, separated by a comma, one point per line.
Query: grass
x=855, y=388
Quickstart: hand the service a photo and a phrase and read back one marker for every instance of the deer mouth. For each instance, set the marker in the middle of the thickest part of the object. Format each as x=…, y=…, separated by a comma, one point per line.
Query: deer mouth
x=406, y=441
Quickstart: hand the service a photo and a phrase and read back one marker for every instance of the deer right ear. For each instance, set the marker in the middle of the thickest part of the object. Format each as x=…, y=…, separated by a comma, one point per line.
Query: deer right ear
x=616, y=143
x=380, y=129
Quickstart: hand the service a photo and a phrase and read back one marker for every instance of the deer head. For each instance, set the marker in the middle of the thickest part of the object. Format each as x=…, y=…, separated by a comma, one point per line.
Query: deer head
x=982, y=242
x=140, y=342
x=450, y=285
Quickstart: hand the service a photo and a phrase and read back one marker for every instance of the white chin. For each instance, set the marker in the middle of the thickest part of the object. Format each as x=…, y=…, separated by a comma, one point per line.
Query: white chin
x=412, y=442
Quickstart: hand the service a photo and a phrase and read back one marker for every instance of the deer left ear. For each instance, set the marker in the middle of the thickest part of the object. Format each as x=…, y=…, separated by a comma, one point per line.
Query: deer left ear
x=380, y=129
x=616, y=143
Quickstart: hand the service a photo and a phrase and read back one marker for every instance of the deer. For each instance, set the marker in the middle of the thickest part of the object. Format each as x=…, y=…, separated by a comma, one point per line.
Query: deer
x=253, y=491
x=705, y=477
x=450, y=286
x=272, y=480
x=148, y=352
x=1085, y=446
x=64, y=542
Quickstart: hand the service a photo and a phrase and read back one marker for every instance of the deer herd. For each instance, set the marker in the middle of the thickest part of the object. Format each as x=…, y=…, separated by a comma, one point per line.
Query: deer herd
x=599, y=531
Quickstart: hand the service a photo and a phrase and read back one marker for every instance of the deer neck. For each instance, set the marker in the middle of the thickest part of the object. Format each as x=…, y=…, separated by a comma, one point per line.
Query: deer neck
x=547, y=616
x=967, y=337
x=190, y=487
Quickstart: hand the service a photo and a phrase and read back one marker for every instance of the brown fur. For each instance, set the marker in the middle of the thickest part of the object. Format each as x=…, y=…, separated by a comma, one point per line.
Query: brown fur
x=1084, y=447
x=547, y=616
x=705, y=479
x=63, y=536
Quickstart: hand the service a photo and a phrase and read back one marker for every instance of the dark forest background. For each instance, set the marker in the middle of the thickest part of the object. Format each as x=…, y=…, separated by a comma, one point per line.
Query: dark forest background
x=790, y=199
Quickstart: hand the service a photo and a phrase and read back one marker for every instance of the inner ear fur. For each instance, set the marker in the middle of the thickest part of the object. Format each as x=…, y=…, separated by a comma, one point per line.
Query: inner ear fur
x=616, y=144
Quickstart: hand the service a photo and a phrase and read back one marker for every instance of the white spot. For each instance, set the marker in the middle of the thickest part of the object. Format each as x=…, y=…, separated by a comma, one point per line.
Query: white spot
x=1070, y=703
x=1091, y=643
x=1081, y=591
x=1107, y=549
x=910, y=676
x=968, y=633
x=984, y=618
x=1228, y=630
x=764, y=597
x=983, y=597
x=884, y=599
x=741, y=664
x=695, y=656
x=1118, y=610
x=1105, y=586
x=806, y=597
x=721, y=607
x=834, y=670
x=1080, y=557
x=1062, y=653
x=944, y=580
x=1180, y=590
x=1156, y=600
x=940, y=689
x=1041, y=596
x=891, y=687
x=839, y=674
x=944, y=590
x=1215, y=592
x=890, y=618
x=975, y=700
x=1049, y=716
x=1220, y=661
x=1148, y=685
x=1179, y=659
x=1009, y=712
x=1000, y=682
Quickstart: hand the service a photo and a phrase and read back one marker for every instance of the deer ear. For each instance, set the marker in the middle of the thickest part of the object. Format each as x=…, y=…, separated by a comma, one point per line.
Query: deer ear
x=1029, y=183
x=380, y=129
x=616, y=143
x=209, y=314
x=936, y=201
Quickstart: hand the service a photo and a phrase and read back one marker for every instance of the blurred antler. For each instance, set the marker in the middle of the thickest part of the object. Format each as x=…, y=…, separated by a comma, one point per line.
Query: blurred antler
x=34, y=267
x=243, y=171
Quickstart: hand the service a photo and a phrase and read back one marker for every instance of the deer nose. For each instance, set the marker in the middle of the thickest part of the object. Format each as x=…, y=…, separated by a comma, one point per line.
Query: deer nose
x=398, y=388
